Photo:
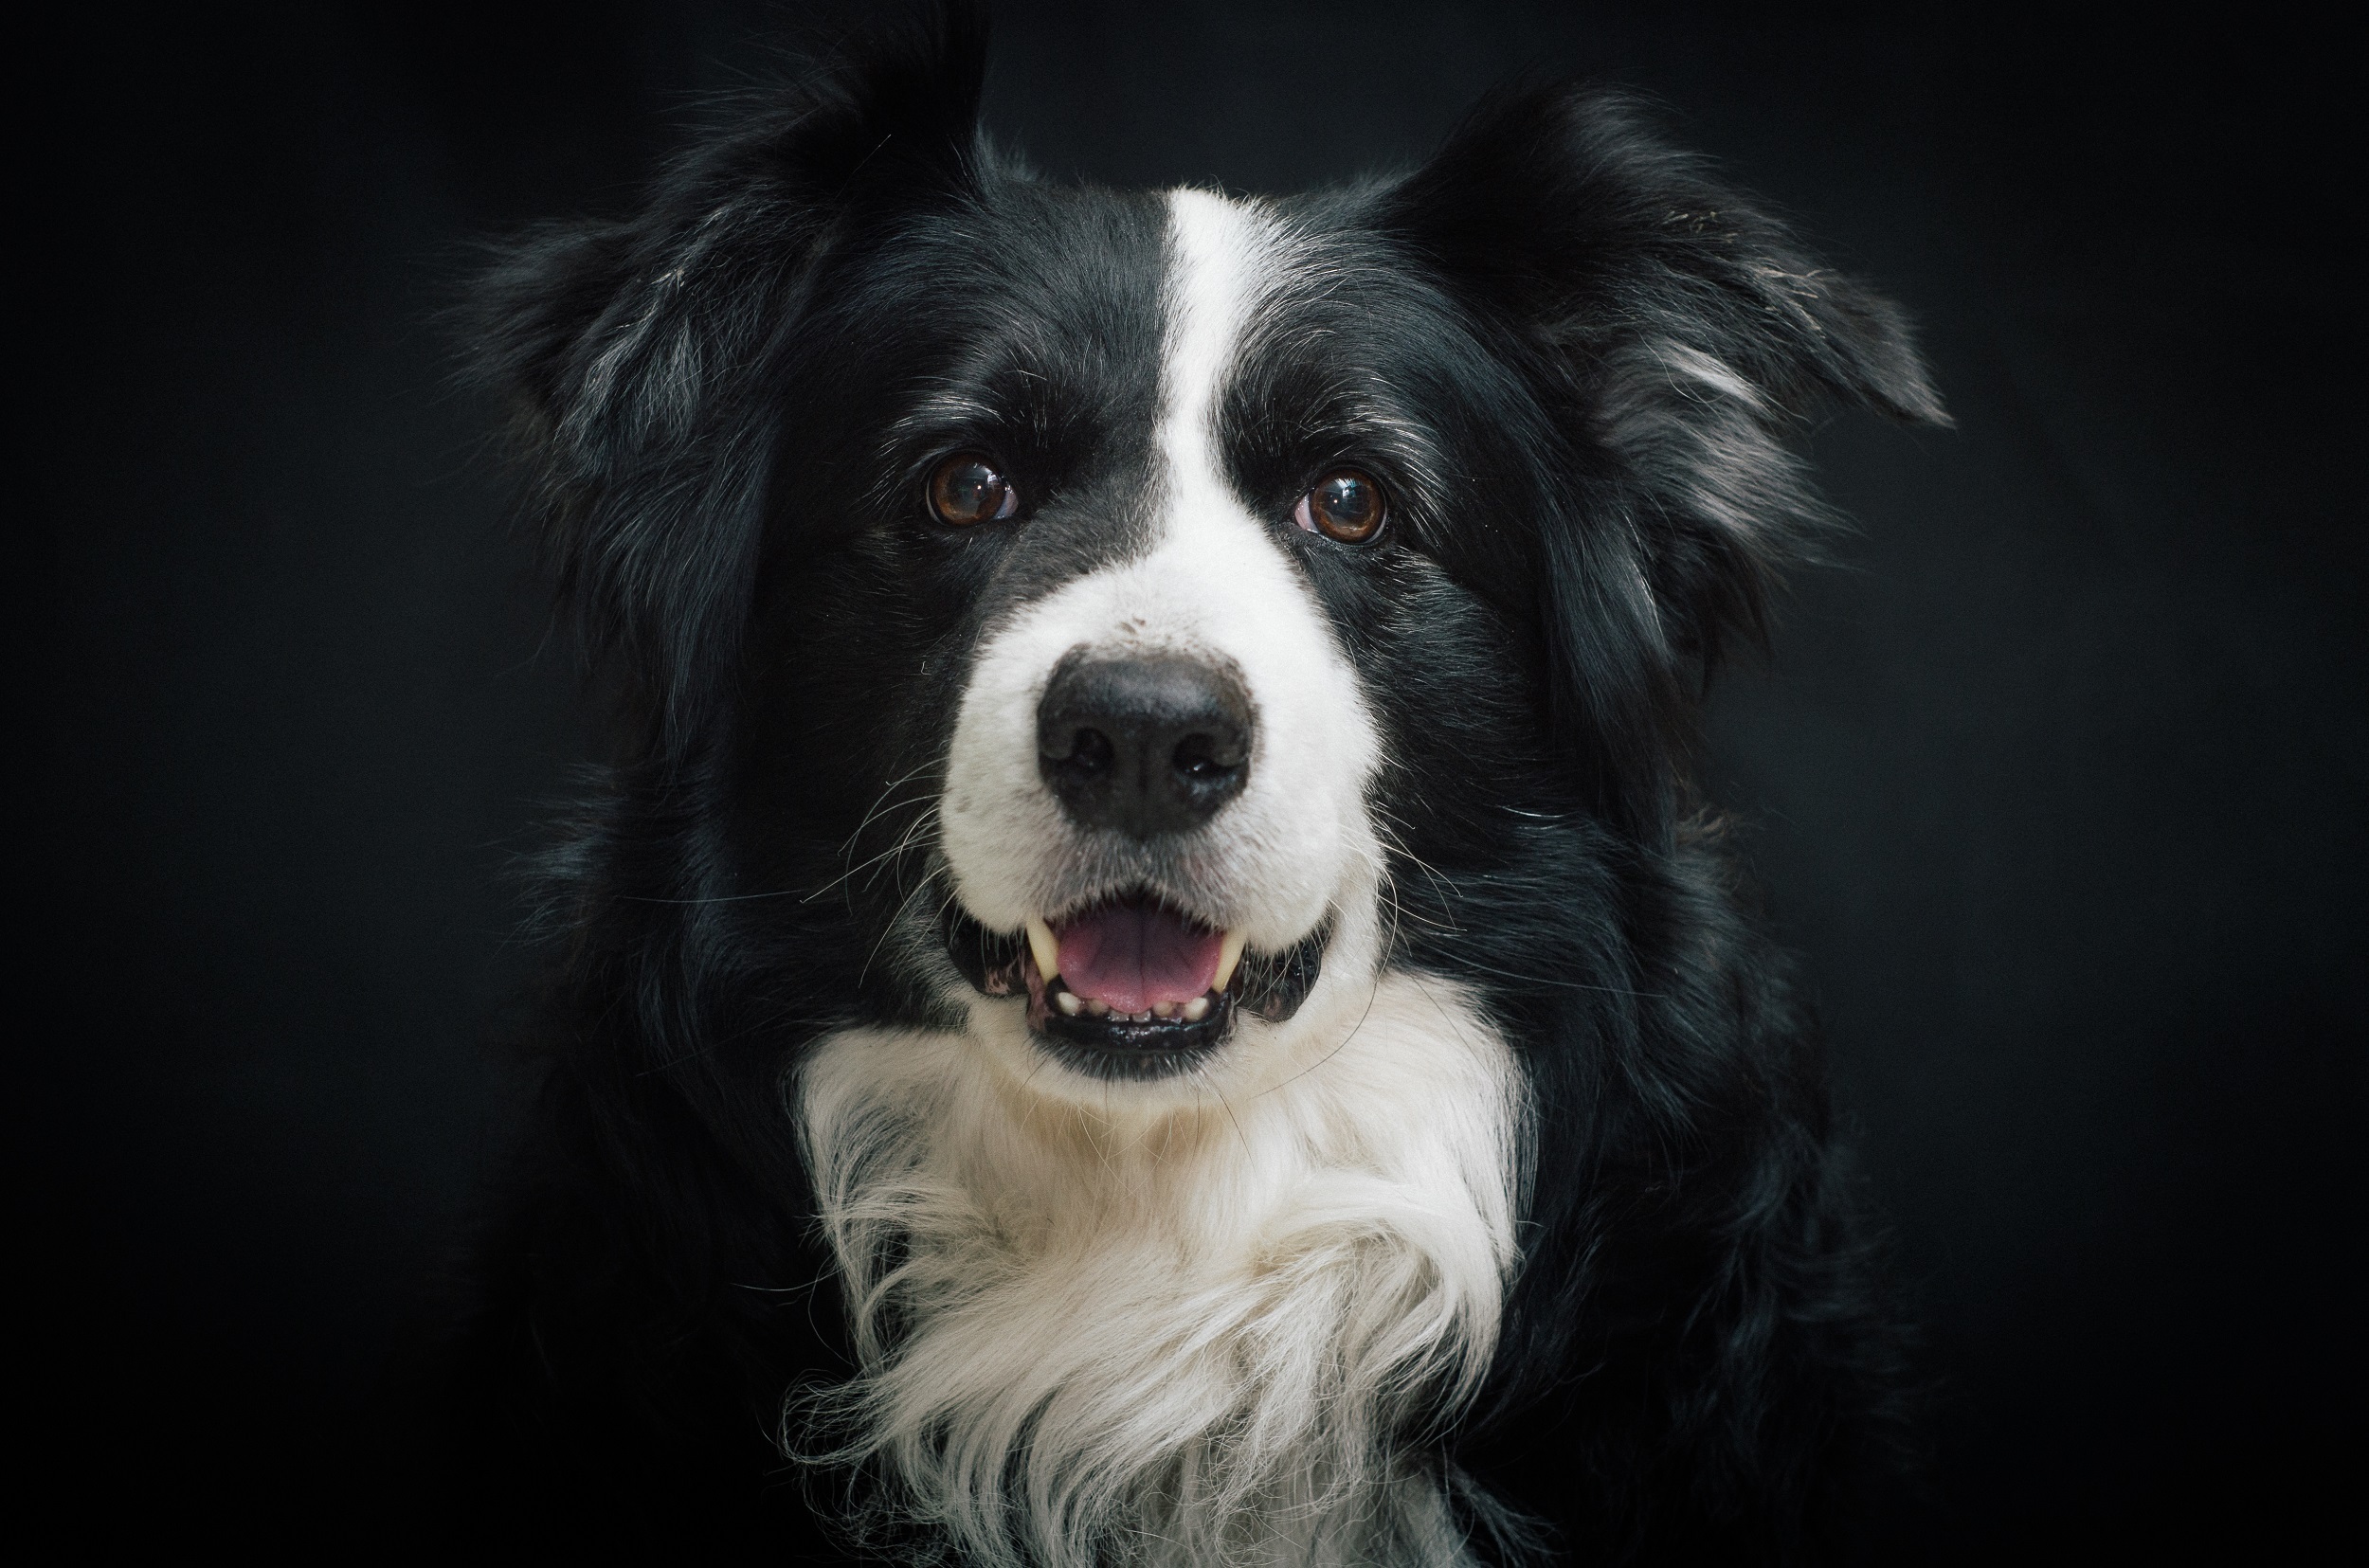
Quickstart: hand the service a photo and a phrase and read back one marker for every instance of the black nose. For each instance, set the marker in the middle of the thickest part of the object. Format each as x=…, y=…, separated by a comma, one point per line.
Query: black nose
x=1147, y=745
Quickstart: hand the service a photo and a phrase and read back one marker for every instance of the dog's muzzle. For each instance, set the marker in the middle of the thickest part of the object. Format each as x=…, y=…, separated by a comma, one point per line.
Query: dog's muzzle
x=1147, y=749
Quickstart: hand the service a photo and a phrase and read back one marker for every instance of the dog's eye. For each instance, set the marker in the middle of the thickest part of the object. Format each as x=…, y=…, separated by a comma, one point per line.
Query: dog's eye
x=1345, y=505
x=966, y=489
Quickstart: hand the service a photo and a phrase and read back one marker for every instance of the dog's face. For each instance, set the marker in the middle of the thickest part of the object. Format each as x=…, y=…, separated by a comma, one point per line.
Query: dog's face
x=1145, y=613
x=1171, y=580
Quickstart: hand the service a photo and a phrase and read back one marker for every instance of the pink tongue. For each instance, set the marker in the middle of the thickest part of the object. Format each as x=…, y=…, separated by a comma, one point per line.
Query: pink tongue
x=1134, y=955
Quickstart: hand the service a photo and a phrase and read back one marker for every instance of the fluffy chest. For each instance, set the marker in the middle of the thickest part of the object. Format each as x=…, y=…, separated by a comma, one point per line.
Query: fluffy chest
x=1207, y=1322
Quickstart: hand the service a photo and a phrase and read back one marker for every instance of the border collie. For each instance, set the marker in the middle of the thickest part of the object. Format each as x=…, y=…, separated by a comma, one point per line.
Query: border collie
x=1146, y=984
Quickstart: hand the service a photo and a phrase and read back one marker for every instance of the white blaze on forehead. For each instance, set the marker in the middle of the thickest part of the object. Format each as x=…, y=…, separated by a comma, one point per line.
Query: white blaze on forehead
x=1217, y=248
x=1212, y=582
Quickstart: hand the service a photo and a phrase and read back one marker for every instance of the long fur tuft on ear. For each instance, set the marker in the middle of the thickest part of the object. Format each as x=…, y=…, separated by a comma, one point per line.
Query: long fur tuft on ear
x=638, y=356
x=1688, y=336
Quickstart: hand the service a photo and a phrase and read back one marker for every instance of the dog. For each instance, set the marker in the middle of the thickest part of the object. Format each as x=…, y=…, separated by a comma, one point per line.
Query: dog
x=1144, y=981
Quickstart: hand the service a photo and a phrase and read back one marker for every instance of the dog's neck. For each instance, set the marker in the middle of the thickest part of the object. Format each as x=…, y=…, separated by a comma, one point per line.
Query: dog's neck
x=1180, y=1327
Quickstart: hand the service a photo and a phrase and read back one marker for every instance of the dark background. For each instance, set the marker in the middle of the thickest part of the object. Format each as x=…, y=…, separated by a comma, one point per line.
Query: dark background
x=2057, y=787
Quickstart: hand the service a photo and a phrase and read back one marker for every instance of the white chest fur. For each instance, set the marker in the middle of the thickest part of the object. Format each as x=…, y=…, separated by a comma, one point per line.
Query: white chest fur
x=1178, y=1328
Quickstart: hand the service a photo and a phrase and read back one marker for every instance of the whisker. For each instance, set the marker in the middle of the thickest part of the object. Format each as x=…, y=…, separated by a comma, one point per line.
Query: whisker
x=1373, y=995
x=887, y=931
x=923, y=826
x=903, y=842
x=880, y=802
x=1200, y=1075
x=880, y=808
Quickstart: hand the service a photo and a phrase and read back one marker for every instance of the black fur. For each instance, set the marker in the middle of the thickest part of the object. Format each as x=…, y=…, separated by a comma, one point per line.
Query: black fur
x=725, y=398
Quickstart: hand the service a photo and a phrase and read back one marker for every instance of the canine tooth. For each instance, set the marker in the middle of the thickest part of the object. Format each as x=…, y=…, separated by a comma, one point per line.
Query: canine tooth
x=1069, y=1004
x=1163, y=1009
x=1196, y=1010
x=1144, y=1017
x=1048, y=951
x=1229, y=954
x=1098, y=1007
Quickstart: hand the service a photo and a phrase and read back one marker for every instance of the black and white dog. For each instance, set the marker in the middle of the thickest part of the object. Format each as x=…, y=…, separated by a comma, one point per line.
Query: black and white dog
x=1146, y=984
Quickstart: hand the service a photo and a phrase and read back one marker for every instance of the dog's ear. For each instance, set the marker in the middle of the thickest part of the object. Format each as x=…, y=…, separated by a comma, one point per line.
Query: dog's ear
x=636, y=357
x=1684, y=336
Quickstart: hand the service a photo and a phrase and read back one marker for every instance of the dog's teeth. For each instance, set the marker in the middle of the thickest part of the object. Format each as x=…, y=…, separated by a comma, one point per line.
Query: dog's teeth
x=1144, y=1017
x=1229, y=954
x=1069, y=1004
x=1163, y=1009
x=1196, y=1010
x=1048, y=951
x=1098, y=1007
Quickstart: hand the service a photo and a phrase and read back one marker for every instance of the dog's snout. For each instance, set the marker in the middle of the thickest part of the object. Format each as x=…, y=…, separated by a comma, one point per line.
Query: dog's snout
x=1146, y=746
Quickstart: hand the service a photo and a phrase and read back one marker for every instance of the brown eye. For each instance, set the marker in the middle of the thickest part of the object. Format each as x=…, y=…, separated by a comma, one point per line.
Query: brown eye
x=1345, y=505
x=966, y=489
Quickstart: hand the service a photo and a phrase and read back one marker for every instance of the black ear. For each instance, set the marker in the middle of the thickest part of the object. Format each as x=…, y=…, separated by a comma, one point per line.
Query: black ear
x=636, y=357
x=1685, y=336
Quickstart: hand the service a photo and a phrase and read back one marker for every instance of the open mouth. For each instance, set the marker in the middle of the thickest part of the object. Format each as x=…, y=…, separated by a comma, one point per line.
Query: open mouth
x=1131, y=974
x=1130, y=986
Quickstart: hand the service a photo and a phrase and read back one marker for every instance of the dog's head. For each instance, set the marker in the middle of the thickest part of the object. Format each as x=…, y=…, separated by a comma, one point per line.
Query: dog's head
x=1116, y=603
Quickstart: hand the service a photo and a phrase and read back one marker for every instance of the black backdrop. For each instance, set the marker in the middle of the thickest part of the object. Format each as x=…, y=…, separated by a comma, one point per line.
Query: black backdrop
x=2058, y=788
